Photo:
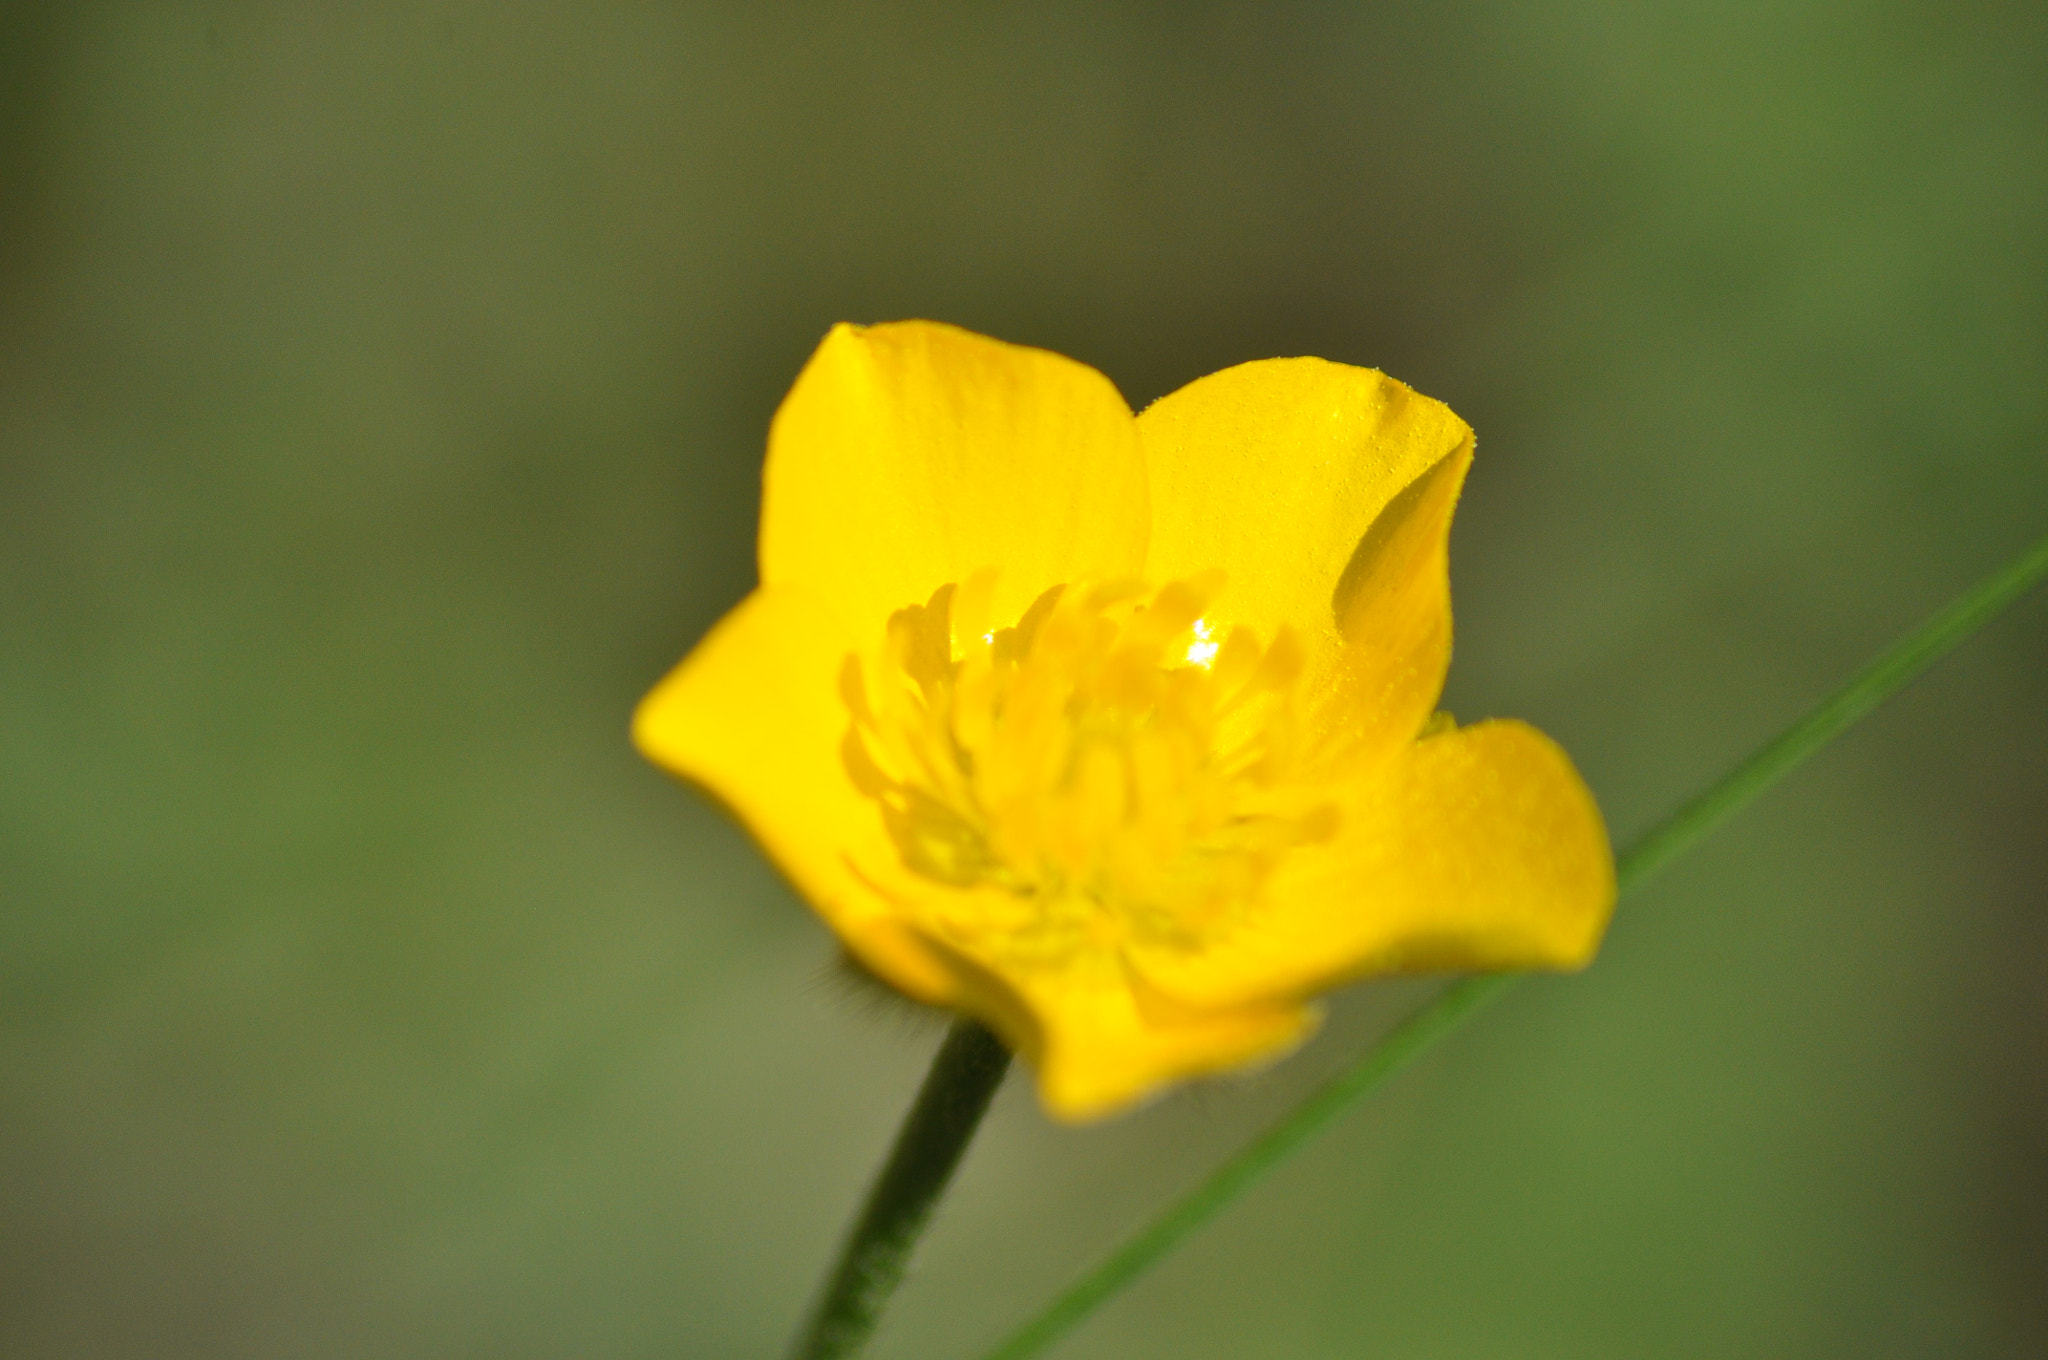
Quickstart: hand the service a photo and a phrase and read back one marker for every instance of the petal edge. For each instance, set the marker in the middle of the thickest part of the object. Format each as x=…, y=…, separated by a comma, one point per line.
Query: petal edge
x=911, y=454
x=1479, y=850
x=752, y=716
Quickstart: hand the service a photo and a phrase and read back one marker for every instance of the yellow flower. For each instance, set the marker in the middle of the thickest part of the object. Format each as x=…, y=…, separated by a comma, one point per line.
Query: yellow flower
x=1119, y=732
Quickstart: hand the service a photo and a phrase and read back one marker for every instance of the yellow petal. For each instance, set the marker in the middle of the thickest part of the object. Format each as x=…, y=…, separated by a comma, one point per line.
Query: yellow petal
x=913, y=454
x=1101, y=1040
x=1479, y=849
x=1325, y=493
x=1101, y=1057
x=1393, y=608
x=753, y=715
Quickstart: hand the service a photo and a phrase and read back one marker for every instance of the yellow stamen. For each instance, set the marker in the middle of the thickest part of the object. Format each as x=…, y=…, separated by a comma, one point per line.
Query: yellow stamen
x=1102, y=771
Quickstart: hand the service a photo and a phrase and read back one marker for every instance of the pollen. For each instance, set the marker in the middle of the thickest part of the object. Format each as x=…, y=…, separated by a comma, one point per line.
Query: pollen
x=1104, y=771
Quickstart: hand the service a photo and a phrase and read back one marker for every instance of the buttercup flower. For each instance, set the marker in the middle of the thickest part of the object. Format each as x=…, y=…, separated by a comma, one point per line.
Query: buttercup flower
x=1119, y=732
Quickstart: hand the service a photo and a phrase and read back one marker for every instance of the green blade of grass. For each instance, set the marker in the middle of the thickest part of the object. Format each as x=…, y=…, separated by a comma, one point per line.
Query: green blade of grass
x=1465, y=997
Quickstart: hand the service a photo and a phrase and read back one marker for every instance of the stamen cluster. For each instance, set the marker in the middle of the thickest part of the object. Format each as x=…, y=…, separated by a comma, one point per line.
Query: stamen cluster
x=1102, y=772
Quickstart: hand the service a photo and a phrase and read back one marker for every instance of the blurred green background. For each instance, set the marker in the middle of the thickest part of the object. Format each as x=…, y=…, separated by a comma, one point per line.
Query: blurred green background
x=382, y=395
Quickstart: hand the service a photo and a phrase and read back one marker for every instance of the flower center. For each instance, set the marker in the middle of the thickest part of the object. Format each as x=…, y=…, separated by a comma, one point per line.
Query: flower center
x=1106, y=771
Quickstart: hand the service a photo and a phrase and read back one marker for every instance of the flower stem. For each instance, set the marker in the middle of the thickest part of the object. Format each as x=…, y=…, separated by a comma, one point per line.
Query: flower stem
x=963, y=1079
x=1465, y=997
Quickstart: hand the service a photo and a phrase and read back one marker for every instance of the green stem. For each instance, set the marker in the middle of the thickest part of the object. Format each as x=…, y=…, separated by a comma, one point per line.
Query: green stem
x=963, y=1079
x=1465, y=997
x=1156, y=1239
x=1878, y=681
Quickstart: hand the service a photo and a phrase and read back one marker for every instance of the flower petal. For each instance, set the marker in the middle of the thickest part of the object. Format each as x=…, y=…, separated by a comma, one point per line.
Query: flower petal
x=913, y=454
x=1101, y=1040
x=1102, y=1057
x=1480, y=849
x=1325, y=493
x=753, y=715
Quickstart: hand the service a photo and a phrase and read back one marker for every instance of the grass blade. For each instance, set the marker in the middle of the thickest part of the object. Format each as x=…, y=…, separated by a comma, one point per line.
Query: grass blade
x=1465, y=997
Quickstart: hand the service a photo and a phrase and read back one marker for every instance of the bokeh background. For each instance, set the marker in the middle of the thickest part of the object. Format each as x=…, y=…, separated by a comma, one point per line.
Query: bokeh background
x=382, y=395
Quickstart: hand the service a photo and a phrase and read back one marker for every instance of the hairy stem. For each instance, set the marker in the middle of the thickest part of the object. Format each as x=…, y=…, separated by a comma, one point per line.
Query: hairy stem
x=963, y=1079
